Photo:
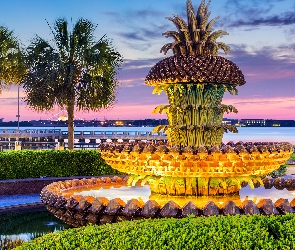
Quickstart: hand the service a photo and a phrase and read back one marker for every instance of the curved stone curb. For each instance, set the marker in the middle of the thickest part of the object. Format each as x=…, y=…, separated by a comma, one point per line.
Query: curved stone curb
x=29, y=207
x=30, y=185
x=82, y=210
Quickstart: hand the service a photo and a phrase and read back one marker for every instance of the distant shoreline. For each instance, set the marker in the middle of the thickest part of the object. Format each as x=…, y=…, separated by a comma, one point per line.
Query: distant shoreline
x=5, y=125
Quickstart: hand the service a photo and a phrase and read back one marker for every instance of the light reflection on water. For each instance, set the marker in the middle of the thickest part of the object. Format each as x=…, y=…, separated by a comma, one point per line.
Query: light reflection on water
x=144, y=194
x=29, y=225
x=261, y=193
x=124, y=193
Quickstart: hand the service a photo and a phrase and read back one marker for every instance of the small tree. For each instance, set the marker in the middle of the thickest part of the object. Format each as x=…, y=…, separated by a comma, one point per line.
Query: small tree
x=74, y=71
x=11, y=63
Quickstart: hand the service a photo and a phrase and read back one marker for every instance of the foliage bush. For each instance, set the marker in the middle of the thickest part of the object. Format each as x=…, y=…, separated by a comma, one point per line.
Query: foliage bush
x=58, y=163
x=7, y=243
x=281, y=171
x=292, y=158
x=52, y=163
x=222, y=232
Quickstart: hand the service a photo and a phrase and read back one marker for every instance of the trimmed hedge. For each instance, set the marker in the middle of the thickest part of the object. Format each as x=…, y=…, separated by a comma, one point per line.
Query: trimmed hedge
x=7, y=243
x=52, y=163
x=222, y=232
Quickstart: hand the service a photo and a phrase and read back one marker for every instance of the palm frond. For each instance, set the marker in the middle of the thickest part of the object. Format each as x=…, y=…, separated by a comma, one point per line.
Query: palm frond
x=191, y=18
x=61, y=33
x=165, y=48
x=204, y=22
x=217, y=34
x=83, y=33
x=223, y=46
x=201, y=11
x=211, y=23
x=197, y=36
x=174, y=34
x=11, y=58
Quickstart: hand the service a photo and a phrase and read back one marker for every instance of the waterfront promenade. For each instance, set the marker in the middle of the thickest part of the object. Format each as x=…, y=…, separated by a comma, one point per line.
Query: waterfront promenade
x=90, y=137
x=49, y=138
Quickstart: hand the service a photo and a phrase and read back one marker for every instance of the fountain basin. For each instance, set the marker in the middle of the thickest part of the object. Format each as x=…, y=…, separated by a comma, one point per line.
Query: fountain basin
x=65, y=201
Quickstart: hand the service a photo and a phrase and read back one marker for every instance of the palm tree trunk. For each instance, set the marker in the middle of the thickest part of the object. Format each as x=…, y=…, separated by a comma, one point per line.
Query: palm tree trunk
x=70, y=109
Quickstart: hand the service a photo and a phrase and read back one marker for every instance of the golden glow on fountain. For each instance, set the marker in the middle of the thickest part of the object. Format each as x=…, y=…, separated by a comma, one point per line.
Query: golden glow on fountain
x=216, y=172
x=194, y=162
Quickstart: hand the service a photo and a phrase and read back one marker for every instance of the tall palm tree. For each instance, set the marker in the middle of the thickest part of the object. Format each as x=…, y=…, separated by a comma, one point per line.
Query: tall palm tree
x=75, y=70
x=11, y=66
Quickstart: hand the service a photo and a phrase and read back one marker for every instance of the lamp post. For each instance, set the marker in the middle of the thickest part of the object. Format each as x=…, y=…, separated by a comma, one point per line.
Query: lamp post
x=18, y=108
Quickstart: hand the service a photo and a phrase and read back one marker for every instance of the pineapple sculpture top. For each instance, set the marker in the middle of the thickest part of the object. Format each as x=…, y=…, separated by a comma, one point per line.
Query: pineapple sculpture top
x=197, y=36
x=195, y=79
x=195, y=52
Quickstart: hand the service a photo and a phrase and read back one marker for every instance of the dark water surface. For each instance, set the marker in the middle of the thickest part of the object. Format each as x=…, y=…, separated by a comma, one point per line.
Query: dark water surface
x=18, y=199
x=29, y=225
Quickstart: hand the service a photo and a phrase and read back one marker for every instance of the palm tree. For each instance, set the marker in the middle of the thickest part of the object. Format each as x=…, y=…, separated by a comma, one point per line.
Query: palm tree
x=195, y=79
x=11, y=66
x=74, y=71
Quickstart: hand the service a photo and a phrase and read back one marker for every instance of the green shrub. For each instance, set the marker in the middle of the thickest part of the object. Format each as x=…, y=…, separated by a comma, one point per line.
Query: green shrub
x=52, y=163
x=222, y=232
x=7, y=244
x=281, y=171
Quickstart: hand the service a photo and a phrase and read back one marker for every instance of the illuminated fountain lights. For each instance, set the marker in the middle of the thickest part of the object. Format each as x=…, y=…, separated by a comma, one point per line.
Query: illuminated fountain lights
x=216, y=171
x=85, y=201
x=194, y=162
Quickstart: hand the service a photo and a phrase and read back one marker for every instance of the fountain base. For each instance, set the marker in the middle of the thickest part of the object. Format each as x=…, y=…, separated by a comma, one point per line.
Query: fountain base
x=66, y=203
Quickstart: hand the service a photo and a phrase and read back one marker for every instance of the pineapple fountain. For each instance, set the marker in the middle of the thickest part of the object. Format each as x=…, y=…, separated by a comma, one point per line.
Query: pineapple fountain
x=195, y=164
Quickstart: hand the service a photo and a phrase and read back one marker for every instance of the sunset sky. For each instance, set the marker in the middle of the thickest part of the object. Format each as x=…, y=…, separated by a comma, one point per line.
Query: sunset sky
x=261, y=37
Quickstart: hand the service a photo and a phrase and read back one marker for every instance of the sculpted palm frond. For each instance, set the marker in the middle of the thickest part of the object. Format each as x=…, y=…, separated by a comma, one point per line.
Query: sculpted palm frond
x=223, y=46
x=191, y=21
x=211, y=23
x=175, y=35
x=193, y=37
x=202, y=10
x=204, y=21
x=209, y=29
x=216, y=34
x=166, y=47
x=74, y=70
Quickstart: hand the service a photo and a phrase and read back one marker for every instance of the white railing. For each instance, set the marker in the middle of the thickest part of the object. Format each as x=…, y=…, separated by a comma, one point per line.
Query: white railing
x=11, y=133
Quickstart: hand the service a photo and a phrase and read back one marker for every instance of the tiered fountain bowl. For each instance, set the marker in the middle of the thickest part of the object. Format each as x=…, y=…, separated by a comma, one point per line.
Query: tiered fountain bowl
x=200, y=171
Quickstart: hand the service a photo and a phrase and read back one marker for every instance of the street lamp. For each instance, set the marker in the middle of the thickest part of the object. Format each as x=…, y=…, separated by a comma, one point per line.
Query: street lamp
x=18, y=116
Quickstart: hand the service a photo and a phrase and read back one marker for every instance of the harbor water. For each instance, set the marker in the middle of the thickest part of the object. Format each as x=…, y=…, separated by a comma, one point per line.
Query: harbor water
x=263, y=134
